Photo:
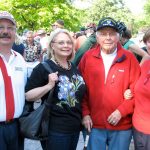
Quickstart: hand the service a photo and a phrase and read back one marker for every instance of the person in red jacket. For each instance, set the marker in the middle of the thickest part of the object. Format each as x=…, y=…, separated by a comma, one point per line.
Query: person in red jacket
x=108, y=70
x=141, y=115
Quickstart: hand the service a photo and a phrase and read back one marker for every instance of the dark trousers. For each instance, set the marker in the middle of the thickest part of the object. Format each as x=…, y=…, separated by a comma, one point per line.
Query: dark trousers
x=141, y=140
x=9, y=136
x=21, y=142
x=44, y=144
x=62, y=141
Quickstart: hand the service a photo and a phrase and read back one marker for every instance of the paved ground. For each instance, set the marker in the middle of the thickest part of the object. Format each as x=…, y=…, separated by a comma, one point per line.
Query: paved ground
x=35, y=145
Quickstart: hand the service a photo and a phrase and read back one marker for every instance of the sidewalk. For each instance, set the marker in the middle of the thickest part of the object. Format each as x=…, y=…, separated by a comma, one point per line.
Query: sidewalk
x=35, y=145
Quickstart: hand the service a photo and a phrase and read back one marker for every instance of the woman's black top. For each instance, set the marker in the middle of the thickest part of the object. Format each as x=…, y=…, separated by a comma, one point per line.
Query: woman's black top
x=69, y=91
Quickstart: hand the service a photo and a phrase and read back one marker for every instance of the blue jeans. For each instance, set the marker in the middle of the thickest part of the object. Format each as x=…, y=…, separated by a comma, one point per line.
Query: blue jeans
x=62, y=141
x=113, y=139
x=9, y=136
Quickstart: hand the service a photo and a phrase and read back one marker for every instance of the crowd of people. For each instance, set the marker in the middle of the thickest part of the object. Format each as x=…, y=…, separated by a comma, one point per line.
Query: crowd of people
x=100, y=85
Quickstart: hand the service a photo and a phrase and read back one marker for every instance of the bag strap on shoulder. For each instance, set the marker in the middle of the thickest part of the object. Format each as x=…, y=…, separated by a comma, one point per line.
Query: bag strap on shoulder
x=49, y=99
x=47, y=67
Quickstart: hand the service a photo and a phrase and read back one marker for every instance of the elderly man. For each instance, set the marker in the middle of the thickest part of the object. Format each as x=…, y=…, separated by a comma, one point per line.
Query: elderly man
x=32, y=48
x=108, y=71
x=12, y=81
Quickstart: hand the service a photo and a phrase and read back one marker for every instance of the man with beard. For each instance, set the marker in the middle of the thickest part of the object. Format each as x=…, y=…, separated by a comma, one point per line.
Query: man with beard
x=13, y=74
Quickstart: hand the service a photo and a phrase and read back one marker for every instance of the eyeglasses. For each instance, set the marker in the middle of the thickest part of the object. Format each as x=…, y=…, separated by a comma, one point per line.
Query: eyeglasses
x=54, y=25
x=9, y=28
x=105, y=34
x=63, y=42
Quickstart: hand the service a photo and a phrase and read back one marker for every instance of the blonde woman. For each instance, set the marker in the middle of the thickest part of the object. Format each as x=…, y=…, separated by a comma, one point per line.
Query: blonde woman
x=69, y=86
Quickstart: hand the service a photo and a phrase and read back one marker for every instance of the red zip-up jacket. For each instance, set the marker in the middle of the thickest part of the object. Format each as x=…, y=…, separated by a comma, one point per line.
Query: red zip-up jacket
x=104, y=97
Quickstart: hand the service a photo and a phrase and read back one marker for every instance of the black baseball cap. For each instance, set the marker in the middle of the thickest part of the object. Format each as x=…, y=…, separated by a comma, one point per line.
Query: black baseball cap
x=107, y=22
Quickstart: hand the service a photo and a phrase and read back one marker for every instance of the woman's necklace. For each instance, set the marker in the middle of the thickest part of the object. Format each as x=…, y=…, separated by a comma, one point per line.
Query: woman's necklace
x=69, y=64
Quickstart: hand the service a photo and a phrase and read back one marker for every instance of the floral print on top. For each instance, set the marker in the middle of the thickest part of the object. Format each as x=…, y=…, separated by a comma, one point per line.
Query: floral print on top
x=67, y=90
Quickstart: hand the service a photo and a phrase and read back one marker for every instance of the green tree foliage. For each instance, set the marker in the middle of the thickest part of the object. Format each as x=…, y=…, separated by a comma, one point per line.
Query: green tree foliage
x=35, y=14
x=147, y=7
x=142, y=22
x=145, y=20
x=112, y=8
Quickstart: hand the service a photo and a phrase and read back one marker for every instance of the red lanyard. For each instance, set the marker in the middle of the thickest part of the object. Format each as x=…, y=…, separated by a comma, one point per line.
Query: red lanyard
x=9, y=96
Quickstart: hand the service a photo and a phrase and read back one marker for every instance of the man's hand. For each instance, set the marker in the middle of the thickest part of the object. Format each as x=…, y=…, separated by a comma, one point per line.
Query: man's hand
x=114, y=118
x=87, y=122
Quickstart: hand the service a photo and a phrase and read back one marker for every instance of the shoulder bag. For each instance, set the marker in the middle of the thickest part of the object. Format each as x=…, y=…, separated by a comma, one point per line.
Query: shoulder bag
x=34, y=124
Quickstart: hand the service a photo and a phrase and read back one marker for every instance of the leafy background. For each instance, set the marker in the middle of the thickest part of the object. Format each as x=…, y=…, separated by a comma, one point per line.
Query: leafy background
x=36, y=14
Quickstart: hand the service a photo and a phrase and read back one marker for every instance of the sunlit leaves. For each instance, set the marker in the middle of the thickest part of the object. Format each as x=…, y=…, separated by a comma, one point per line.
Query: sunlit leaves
x=35, y=14
x=111, y=8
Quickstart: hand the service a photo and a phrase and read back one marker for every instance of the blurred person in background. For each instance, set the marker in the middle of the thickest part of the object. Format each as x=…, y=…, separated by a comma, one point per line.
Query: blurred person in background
x=18, y=45
x=32, y=48
x=146, y=40
x=89, y=30
x=23, y=37
x=32, y=52
x=44, y=42
x=128, y=44
x=58, y=24
x=77, y=34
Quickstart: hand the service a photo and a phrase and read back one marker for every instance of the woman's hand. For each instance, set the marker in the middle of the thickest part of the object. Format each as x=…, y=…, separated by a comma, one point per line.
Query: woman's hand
x=52, y=79
x=39, y=92
x=128, y=94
